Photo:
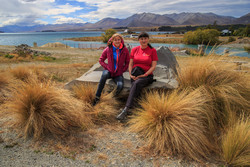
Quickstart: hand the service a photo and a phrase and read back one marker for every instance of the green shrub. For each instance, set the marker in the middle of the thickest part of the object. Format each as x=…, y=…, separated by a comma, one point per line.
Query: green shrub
x=245, y=32
x=9, y=56
x=108, y=34
x=207, y=37
x=247, y=48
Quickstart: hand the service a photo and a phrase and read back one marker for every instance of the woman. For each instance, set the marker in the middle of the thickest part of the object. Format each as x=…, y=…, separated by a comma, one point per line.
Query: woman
x=118, y=60
x=144, y=57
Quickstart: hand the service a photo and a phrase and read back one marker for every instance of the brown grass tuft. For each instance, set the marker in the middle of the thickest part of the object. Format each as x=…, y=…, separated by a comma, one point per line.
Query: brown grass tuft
x=4, y=85
x=23, y=73
x=176, y=124
x=26, y=73
x=3, y=80
x=85, y=92
x=228, y=88
x=39, y=109
x=39, y=74
x=236, y=144
x=106, y=110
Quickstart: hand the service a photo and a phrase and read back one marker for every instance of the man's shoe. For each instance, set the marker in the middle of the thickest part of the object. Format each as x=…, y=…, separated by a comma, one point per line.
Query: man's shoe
x=123, y=114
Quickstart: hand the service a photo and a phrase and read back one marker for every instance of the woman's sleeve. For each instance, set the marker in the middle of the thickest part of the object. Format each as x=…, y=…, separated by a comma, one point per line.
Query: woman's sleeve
x=126, y=61
x=103, y=58
x=132, y=54
x=154, y=55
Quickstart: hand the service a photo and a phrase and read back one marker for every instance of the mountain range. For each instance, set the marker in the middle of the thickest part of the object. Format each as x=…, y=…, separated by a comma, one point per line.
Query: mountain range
x=137, y=20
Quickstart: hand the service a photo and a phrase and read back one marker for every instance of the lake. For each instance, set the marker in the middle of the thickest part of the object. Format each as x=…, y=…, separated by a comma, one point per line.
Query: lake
x=42, y=38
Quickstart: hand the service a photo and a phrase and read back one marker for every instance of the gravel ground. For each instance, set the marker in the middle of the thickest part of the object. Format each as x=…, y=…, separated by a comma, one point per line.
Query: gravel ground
x=114, y=146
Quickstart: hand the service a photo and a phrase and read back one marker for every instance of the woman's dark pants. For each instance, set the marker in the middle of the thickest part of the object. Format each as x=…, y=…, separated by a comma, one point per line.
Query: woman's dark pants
x=106, y=75
x=136, y=88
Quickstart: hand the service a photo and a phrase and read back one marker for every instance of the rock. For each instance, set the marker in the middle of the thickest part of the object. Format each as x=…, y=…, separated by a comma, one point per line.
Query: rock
x=128, y=47
x=201, y=49
x=167, y=58
x=165, y=73
x=226, y=51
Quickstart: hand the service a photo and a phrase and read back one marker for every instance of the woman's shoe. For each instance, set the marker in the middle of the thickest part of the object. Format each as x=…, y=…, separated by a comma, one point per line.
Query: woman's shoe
x=96, y=100
x=123, y=114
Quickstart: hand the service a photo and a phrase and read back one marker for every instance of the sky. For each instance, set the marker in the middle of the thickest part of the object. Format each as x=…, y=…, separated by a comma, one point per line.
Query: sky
x=33, y=12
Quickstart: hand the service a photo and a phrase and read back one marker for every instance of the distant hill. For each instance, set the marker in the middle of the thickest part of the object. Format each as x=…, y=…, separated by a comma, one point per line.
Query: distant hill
x=105, y=23
x=243, y=19
x=137, y=20
x=200, y=18
x=146, y=20
x=51, y=27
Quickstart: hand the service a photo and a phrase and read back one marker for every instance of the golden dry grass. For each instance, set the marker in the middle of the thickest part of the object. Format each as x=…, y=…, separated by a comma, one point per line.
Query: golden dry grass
x=31, y=72
x=39, y=109
x=59, y=73
x=176, y=123
x=85, y=92
x=106, y=110
x=21, y=72
x=228, y=88
x=236, y=144
x=39, y=74
x=4, y=80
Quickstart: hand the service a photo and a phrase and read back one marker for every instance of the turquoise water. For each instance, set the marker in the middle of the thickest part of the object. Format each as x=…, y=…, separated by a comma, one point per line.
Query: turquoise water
x=42, y=38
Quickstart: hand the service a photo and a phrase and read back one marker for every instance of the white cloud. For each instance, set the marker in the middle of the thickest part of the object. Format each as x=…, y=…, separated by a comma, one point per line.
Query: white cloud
x=63, y=9
x=28, y=12
x=63, y=19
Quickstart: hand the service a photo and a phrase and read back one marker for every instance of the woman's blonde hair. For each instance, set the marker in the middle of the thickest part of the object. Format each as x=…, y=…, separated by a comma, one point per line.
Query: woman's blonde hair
x=112, y=38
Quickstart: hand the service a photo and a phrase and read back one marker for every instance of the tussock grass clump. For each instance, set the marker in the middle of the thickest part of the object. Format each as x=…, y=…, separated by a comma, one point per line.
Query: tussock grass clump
x=85, y=92
x=228, y=88
x=22, y=73
x=40, y=74
x=3, y=80
x=236, y=144
x=106, y=110
x=39, y=109
x=176, y=123
x=27, y=73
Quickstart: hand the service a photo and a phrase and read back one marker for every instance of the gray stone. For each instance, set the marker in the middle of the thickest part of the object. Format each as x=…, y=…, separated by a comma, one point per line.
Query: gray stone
x=129, y=47
x=201, y=48
x=165, y=73
x=167, y=58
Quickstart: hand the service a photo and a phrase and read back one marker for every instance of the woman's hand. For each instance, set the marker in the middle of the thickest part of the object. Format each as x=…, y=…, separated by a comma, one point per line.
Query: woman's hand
x=133, y=77
x=140, y=76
